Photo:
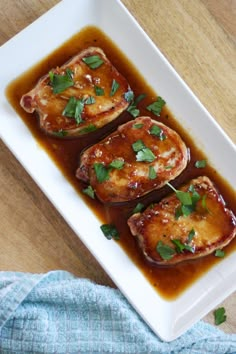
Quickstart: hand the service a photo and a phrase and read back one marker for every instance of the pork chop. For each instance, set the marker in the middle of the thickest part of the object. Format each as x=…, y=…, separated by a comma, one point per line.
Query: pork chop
x=170, y=232
x=140, y=156
x=81, y=96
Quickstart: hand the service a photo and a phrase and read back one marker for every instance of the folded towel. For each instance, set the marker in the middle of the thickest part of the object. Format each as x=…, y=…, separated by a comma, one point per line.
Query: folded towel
x=58, y=313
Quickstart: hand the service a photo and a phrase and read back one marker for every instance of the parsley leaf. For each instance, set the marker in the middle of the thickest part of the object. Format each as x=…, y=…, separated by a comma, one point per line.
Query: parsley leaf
x=129, y=96
x=59, y=82
x=110, y=231
x=132, y=109
x=219, y=253
x=191, y=235
x=88, y=129
x=114, y=87
x=152, y=173
x=220, y=316
x=200, y=163
x=137, y=126
x=145, y=155
x=180, y=247
x=156, y=106
x=89, y=191
x=60, y=133
x=74, y=109
x=102, y=173
x=138, y=145
x=89, y=100
x=139, y=207
x=166, y=252
x=99, y=91
x=157, y=131
x=93, y=61
x=188, y=201
x=117, y=164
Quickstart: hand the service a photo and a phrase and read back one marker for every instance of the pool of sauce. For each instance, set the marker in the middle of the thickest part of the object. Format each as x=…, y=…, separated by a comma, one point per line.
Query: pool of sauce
x=171, y=281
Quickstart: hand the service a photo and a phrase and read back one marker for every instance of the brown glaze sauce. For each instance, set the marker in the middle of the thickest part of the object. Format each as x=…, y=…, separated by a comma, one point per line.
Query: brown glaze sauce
x=170, y=282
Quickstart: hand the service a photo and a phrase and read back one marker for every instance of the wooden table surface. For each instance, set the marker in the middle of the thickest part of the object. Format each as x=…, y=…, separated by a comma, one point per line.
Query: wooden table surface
x=198, y=38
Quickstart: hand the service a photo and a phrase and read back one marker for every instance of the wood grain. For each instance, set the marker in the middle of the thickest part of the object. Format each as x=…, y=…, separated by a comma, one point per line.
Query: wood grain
x=198, y=38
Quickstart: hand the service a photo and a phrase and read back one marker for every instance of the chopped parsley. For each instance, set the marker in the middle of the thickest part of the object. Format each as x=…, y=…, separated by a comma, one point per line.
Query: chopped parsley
x=74, y=109
x=89, y=100
x=156, y=106
x=137, y=126
x=180, y=247
x=89, y=191
x=117, y=164
x=59, y=82
x=132, y=109
x=99, y=91
x=138, y=145
x=152, y=173
x=143, y=153
x=219, y=253
x=166, y=252
x=139, y=207
x=191, y=235
x=114, y=87
x=200, y=163
x=93, y=61
x=188, y=201
x=60, y=133
x=157, y=131
x=110, y=231
x=90, y=128
x=219, y=316
x=102, y=173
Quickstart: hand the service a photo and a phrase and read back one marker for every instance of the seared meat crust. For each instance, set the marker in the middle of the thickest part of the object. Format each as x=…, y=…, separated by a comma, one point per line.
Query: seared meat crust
x=214, y=225
x=105, y=109
x=136, y=177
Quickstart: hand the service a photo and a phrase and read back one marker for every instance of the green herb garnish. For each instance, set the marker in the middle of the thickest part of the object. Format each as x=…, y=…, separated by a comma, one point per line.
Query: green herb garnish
x=143, y=153
x=191, y=235
x=114, y=87
x=156, y=106
x=110, y=231
x=180, y=247
x=99, y=91
x=204, y=205
x=157, y=131
x=188, y=201
x=60, y=133
x=137, y=126
x=88, y=129
x=117, y=164
x=60, y=83
x=74, y=109
x=94, y=61
x=220, y=316
x=132, y=109
x=200, y=163
x=139, y=207
x=89, y=191
x=138, y=145
x=129, y=96
x=102, y=173
x=89, y=100
x=219, y=253
x=166, y=252
x=152, y=173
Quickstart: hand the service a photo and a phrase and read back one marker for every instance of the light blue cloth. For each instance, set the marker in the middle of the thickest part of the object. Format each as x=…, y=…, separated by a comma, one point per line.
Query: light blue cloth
x=58, y=313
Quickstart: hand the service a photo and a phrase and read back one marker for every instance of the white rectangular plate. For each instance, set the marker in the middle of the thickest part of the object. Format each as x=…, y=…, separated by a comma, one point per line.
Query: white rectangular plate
x=167, y=319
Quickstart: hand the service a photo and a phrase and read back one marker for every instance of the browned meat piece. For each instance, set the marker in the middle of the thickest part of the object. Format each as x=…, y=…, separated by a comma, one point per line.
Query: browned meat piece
x=84, y=94
x=167, y=237
x=140, y=156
